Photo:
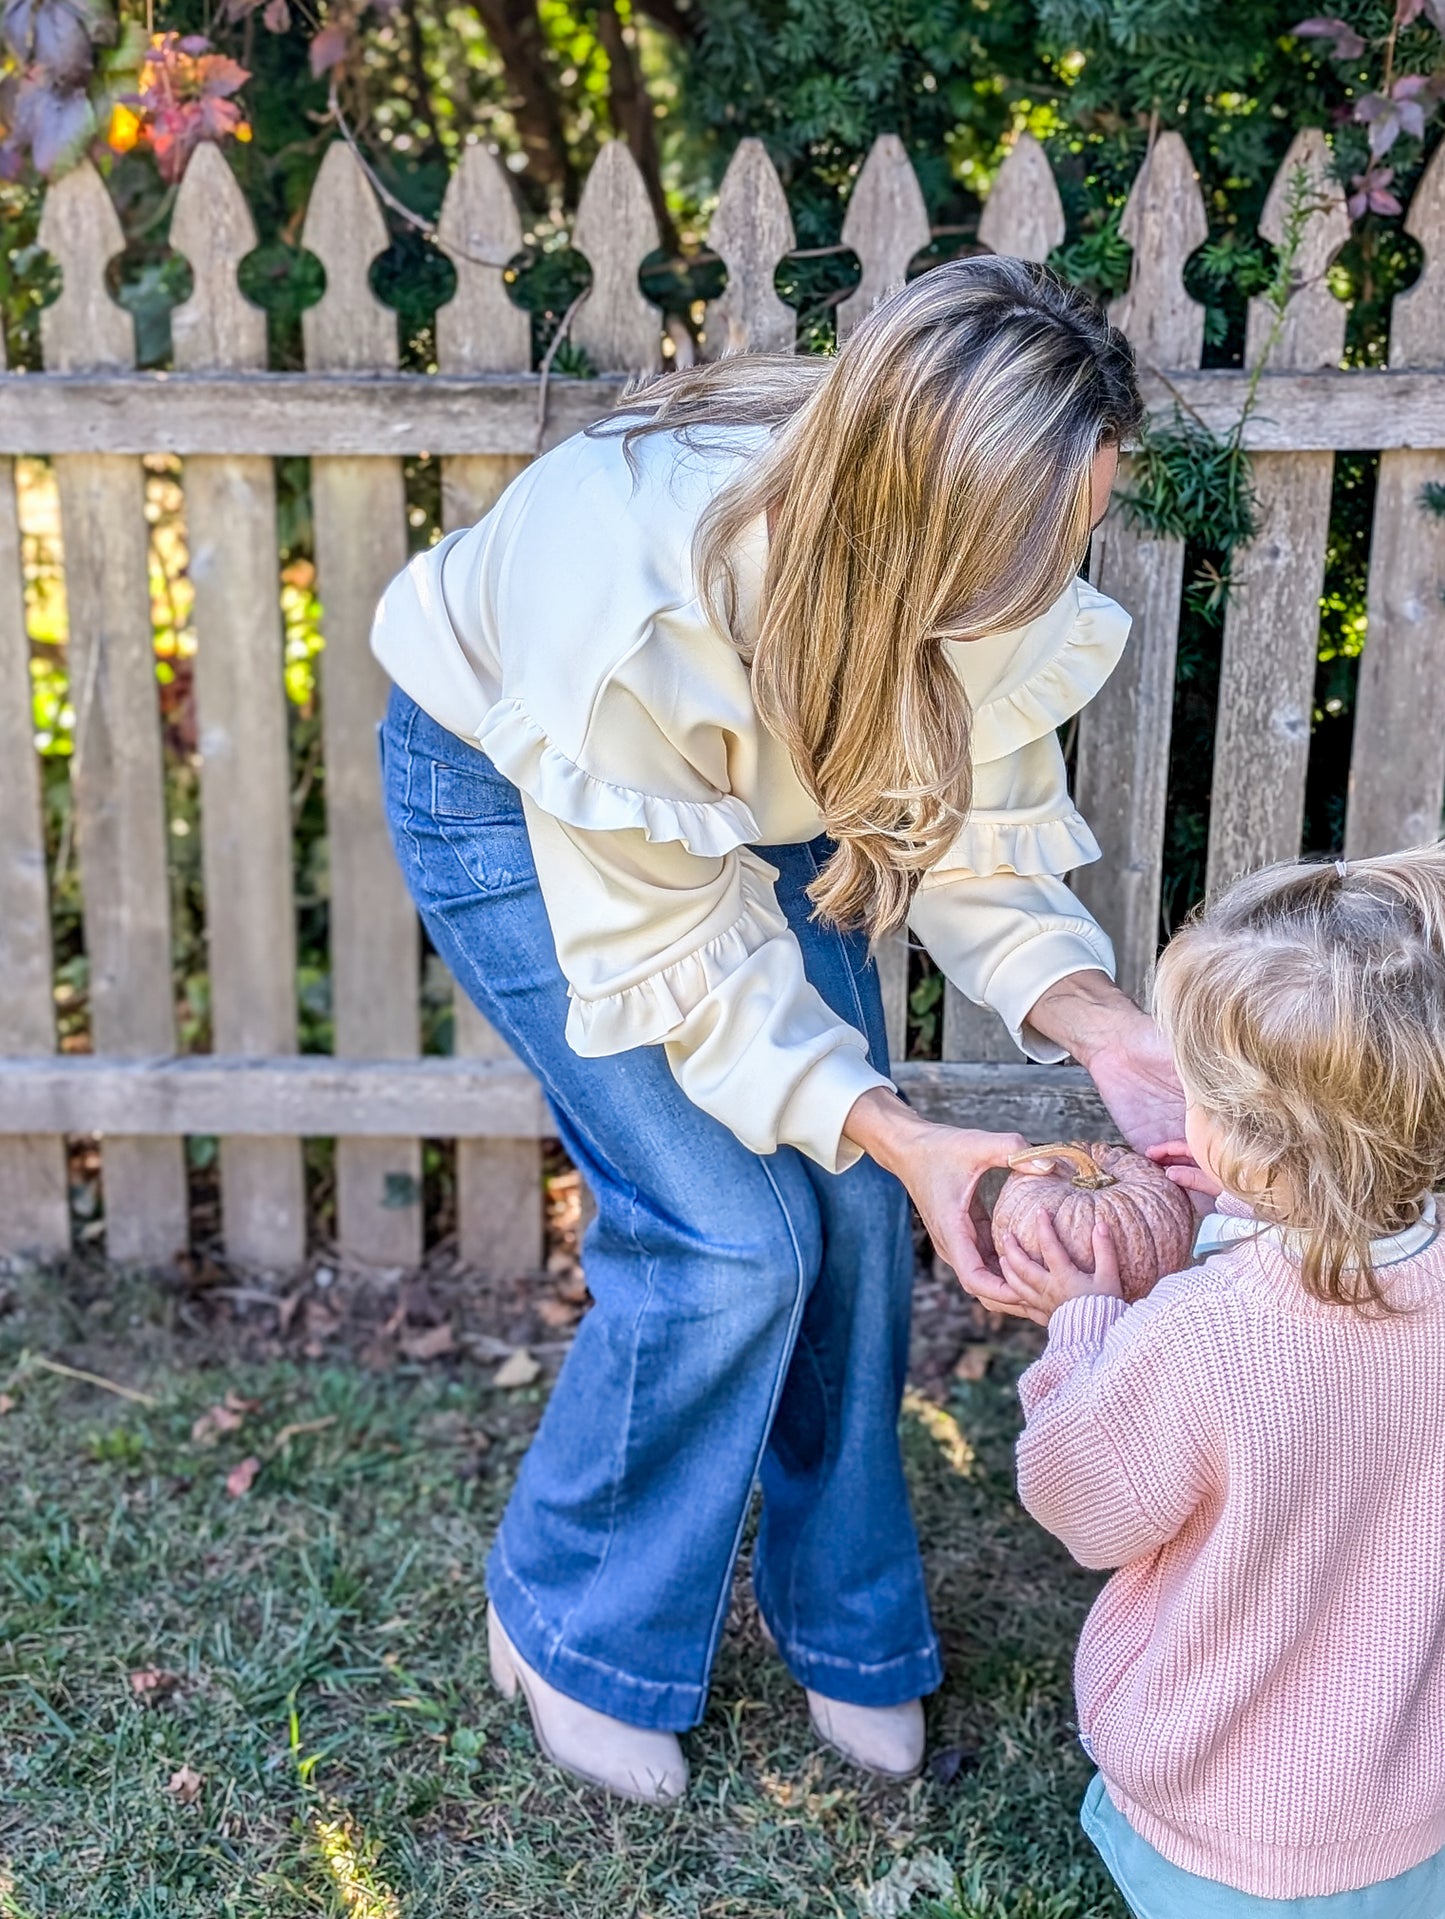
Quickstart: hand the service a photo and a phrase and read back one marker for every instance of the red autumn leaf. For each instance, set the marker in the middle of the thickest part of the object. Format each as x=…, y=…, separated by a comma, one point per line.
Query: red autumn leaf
x=240, y=1479
x=330, y=47
x=217, y=74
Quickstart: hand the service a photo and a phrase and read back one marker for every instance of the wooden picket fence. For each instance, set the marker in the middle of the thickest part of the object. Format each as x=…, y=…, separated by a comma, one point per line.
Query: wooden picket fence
x=356, y=415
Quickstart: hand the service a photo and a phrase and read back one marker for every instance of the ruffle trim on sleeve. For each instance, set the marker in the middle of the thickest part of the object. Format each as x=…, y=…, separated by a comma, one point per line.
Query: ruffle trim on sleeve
x=652, y=1010
x=518, y=747
x=1062, y=683
x=1007, y=843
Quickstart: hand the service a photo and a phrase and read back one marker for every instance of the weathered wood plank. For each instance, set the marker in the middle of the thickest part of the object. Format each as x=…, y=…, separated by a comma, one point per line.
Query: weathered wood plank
x=1397, y=767
x=115, y=772
x=354, y=414
x=615, y=229
x=1123, y=763
x=34, y=1204
x=973, y=1032
x=230, y=508
x=751, y=231
x=500, y=1225
x=1271, y=625
x=481, y=1099
x=1023, y=215
x=886, y=224
x=359, y=508
x=310, y=1094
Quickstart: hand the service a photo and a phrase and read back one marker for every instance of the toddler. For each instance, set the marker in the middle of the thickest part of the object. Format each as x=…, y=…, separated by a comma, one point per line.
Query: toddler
x=1259, y=1446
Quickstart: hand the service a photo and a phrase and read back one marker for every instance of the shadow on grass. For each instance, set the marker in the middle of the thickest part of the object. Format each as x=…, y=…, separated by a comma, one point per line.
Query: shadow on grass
x=273, y=1702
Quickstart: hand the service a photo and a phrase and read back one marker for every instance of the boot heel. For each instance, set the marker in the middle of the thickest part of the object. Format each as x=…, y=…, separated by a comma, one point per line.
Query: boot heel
x=499, y=1657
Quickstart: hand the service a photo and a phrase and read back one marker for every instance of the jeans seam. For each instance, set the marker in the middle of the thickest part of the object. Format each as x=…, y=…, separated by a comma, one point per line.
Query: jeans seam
x=408, y=806
x=850, y=971
x=775, y=1399
x=620, y=1468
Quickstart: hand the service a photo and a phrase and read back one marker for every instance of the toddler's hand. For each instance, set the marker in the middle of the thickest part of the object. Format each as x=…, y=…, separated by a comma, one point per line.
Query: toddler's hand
x=1041, y=1289
x=1180, y=1165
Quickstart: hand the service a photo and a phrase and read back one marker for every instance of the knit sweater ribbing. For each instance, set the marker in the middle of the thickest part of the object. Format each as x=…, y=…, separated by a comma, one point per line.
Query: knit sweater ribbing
x=1262, y=1683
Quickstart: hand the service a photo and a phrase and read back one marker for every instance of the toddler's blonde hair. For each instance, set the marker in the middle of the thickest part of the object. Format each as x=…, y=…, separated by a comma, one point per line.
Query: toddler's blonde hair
x=1306, y=1009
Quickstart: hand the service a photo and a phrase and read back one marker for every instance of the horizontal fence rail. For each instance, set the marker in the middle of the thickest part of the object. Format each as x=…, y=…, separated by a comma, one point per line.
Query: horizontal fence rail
x=352, y=414
x=482, y=416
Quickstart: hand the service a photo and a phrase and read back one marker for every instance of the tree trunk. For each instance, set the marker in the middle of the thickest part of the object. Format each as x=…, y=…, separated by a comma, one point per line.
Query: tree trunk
x=632, y=116
x=516, y=33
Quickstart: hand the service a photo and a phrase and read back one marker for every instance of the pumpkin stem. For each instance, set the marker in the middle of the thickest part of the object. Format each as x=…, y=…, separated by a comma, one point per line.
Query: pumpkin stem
x=1089, y=1175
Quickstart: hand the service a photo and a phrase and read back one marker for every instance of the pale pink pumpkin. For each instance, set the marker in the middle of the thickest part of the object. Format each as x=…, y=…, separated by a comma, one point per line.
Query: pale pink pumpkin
x=1150, y=1219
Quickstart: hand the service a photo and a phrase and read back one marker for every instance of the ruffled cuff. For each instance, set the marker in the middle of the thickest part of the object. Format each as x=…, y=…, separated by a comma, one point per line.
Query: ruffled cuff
x=518, y=747
x=654, y=1008
x=1015, y=843
x=1085, y=1320
x=1087, y=653
x=1025, y=974
x=817, y=1109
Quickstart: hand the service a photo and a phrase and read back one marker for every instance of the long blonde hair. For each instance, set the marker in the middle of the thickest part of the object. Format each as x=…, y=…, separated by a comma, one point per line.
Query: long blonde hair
x=1306, y=1009
x=931, y=483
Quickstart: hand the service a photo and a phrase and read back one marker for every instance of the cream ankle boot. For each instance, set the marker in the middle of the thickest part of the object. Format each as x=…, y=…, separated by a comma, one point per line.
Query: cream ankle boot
x=628, y=1760
x=887, y=1740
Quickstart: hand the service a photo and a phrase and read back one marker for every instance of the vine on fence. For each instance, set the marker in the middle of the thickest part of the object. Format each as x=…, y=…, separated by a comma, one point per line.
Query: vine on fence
x=1193, y=484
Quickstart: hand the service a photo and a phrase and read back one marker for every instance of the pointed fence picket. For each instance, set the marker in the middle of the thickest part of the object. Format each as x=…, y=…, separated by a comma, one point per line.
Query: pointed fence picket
x=359, y=509
x=230, y=508
x=1397, y=769
x=481, y=330
x=115, y=771
x=751, y=232
x=1271, y=624
x=1123, y=761
x=484, y=414
x=34, y=1202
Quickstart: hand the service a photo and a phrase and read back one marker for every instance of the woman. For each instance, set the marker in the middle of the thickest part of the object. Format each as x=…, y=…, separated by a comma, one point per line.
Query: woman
x=764, y=666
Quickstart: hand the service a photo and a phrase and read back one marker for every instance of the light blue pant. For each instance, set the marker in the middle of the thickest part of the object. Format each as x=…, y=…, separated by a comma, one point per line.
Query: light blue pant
x=751, y=1320
x=1157, y=1889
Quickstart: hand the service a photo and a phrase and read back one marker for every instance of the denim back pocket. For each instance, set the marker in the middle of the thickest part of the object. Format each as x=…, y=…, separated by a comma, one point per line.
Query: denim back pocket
x=479, y=815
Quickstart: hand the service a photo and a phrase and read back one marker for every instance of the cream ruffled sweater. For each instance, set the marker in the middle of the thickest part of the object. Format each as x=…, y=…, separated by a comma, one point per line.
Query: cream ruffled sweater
x=564, y=635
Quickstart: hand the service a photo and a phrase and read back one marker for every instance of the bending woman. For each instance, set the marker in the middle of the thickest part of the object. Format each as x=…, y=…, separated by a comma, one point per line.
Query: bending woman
x=765, y=665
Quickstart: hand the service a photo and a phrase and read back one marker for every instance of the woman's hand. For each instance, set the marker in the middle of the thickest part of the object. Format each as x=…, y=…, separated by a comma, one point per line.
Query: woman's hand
x=1123, y=1052
x=1041, y=1288
x=941, y=1167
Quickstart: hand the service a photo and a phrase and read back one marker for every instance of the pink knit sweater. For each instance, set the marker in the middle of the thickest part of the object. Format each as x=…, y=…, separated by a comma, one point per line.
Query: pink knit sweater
x=1262, y=1684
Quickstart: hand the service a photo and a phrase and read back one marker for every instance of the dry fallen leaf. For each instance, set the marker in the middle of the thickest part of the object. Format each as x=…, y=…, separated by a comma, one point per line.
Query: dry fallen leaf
x=185, y=1782
x=241, y=1478
x=519, y=1370
x=431, y=1343
x=213, y=1422
x=972, y=1363
x=556, y=1314
x=299, y=1426
x=153, y=1682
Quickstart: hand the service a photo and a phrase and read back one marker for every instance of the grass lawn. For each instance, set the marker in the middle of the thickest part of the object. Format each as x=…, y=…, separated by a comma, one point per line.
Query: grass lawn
x=274, y=1700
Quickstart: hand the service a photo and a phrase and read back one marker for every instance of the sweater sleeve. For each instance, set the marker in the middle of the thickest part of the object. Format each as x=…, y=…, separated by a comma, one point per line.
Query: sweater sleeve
x=665, y=946
x=1110, y=1460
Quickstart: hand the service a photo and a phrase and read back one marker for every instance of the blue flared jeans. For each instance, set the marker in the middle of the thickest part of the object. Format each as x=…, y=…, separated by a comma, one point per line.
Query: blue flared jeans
x=750, y=1323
